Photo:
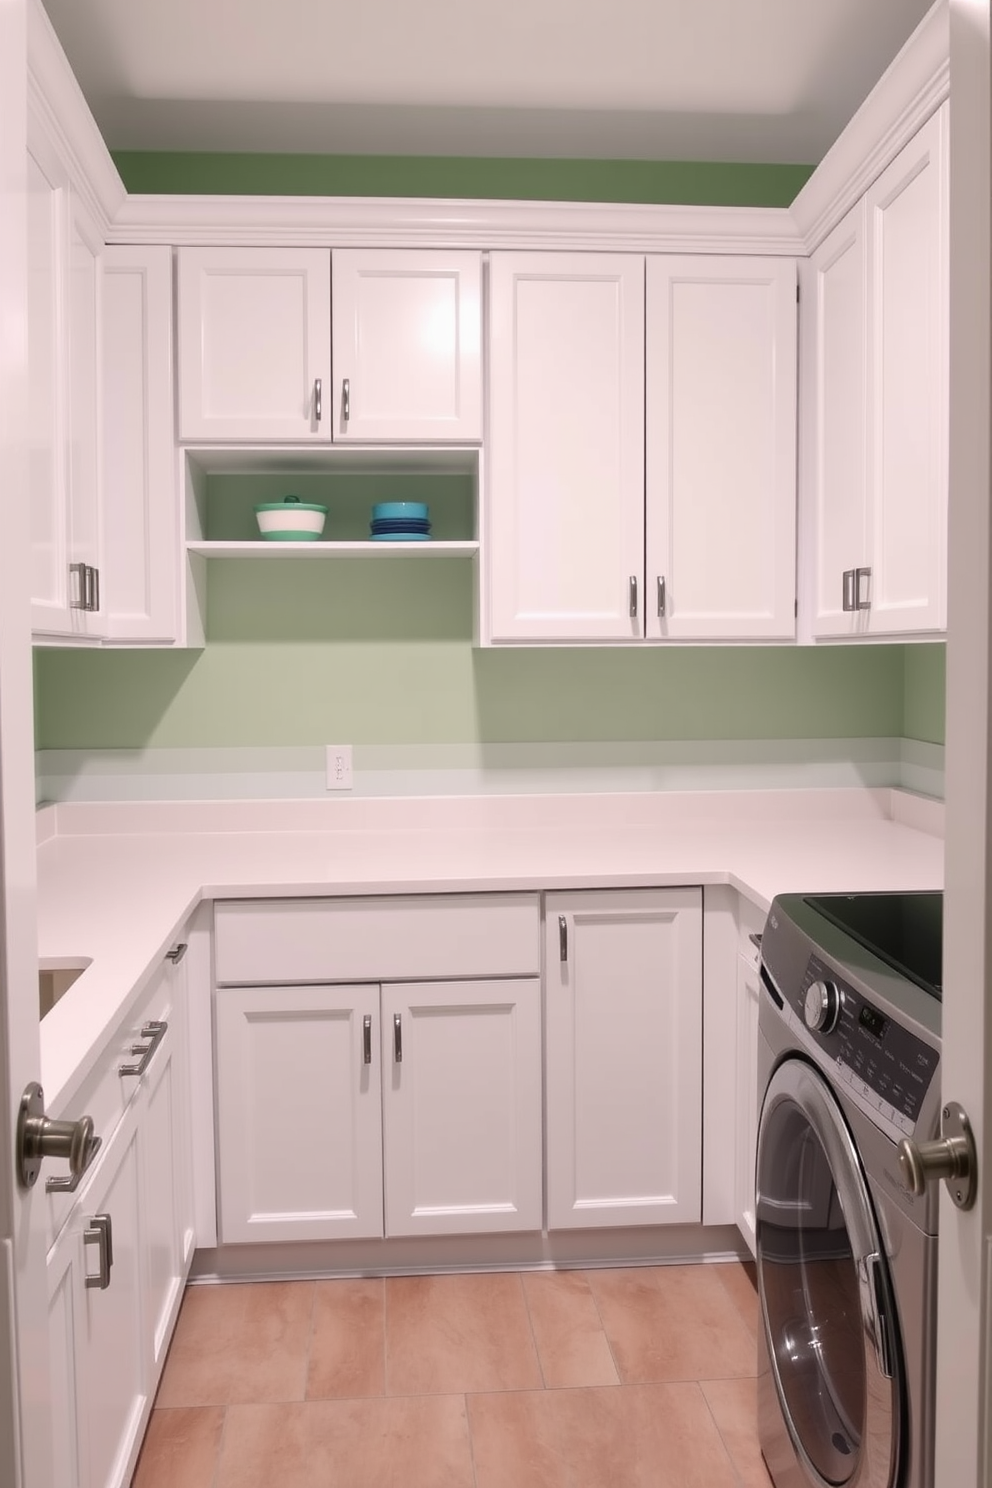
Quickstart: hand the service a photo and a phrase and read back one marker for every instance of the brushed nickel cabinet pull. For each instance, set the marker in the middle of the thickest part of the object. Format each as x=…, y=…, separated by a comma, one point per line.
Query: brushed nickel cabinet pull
x=177, y=953
x=661, y=596
x=847, y=590
x=633, y=597
x=101, y=1234
x=367, y=1039
x=346, y=400
x=156, y=1033
x=316, y=399
x=397, y=1038
x=562, y=938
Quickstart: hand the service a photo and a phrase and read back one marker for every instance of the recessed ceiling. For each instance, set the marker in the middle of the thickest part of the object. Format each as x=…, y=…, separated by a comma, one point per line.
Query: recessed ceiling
x=748, y=80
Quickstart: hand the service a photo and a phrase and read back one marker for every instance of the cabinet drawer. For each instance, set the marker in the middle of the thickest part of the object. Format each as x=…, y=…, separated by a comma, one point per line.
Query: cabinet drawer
x=349, y=940
x=105, y=1093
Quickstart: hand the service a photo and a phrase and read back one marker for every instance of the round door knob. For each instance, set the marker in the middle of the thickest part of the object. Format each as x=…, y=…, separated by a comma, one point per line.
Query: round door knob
x=39, y=1137
x=951, y=1157
x=821, y=1008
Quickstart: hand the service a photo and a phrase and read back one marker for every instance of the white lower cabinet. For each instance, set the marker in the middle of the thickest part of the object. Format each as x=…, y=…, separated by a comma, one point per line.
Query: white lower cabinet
x=462, y=1106
x=118, y=1264
x=746, y=1106
x=357, y=1111
x=624, y=1057
x=299, y=1136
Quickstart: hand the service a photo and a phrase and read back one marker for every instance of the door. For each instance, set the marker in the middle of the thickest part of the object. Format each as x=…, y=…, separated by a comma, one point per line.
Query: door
x=254, y=344
x=566, y=447
x=407, y=345
x=25, y=1429
x=964, y=1351
x=721, y=448
x=299, y=1142
x=461, y=1106
x=624, y=1057
x=833, y=441
x=907, y=385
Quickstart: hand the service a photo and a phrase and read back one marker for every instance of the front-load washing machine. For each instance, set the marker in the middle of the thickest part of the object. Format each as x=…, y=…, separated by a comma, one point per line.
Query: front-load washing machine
x=849, y=1065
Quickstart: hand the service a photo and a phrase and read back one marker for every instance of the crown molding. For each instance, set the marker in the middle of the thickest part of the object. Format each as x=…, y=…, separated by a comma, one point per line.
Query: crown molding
x=912, y=88
x=308, y=221
x=57, y=108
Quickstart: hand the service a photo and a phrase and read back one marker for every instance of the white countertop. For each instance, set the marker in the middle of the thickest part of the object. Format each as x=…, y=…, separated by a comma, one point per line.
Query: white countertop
x=117, y=882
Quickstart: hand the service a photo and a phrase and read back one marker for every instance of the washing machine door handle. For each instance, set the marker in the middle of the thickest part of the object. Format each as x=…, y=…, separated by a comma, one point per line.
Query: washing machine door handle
x=875, y=1310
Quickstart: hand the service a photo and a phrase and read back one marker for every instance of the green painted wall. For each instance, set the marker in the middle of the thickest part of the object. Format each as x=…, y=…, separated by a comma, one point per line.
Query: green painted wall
x=691, y=183
x=380, y=651
x=924, y=682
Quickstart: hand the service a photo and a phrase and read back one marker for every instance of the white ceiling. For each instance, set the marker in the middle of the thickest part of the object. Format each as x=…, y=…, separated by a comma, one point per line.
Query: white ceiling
x=771, y=80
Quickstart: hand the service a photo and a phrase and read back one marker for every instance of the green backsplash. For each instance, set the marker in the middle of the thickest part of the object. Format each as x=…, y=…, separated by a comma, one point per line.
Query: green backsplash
x=380, y=651
x=690, y=183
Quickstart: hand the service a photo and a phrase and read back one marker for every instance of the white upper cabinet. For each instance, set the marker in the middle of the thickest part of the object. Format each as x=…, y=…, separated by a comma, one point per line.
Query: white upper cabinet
x=566, y=447
x=875, y=401
x=254, y=344
x=407, y=345
x=721, y=448
x=63, y=428
x=141, y=537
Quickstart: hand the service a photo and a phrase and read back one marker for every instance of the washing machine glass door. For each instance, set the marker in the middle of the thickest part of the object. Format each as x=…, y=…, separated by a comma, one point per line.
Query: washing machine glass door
x=824, y=1286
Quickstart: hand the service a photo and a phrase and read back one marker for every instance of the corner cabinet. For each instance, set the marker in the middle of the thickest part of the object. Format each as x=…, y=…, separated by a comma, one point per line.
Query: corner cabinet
x=308, y=346
x=624, y=1057
x=875, y=338
x=620, y=509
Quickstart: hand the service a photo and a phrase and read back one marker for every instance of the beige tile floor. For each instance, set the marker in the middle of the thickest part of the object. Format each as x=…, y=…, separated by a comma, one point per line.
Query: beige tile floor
x=639, y=1378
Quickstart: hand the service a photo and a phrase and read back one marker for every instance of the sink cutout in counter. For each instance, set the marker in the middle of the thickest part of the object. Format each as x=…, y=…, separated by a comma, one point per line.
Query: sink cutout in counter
x=54, y=980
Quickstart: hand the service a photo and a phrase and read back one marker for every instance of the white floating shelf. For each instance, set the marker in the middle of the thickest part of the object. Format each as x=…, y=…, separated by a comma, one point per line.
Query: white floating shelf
x=262, y=549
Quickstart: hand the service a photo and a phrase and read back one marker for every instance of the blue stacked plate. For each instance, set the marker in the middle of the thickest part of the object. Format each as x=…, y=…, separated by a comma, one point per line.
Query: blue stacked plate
x=400, y=521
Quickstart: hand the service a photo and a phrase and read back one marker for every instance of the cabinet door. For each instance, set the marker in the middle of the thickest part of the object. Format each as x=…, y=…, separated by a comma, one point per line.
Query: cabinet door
x=721, y=448
x=407, y=345
x=84, y=507
x=908, y=388
x=254, y=344
x=165, y=1183
x=47, y=399
x=462, y=1106
x=746, y=1124
x=834, y=433
x=624, y=1057
x=110, y=1377
x=64, y=1260
x=299, y=1131
x=140, y=489
x=566, y=447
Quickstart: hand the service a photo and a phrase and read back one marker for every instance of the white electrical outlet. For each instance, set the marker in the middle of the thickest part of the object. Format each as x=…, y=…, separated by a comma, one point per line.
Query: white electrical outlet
x=339, y=767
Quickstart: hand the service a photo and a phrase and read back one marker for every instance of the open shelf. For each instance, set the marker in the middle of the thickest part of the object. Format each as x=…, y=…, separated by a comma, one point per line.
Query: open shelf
x=261, y=549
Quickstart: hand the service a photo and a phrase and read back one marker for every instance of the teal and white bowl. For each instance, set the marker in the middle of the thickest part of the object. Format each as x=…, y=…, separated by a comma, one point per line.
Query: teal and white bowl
x=290, y=520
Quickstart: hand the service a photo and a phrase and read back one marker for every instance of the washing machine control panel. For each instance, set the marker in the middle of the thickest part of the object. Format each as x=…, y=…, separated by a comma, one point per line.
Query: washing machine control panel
x=881, y=1061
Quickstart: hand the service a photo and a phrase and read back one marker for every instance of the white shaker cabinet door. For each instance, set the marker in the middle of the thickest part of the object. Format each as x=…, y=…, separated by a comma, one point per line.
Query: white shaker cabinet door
x=721, y=448
x=908, y=388
x=407, y=345
x=624, y=1057
x=462, y=1106
x=141, y=526
x=834, y=433
x=254, y=344
x=299, y=1142
x=110, y=1376
x=566, y=447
